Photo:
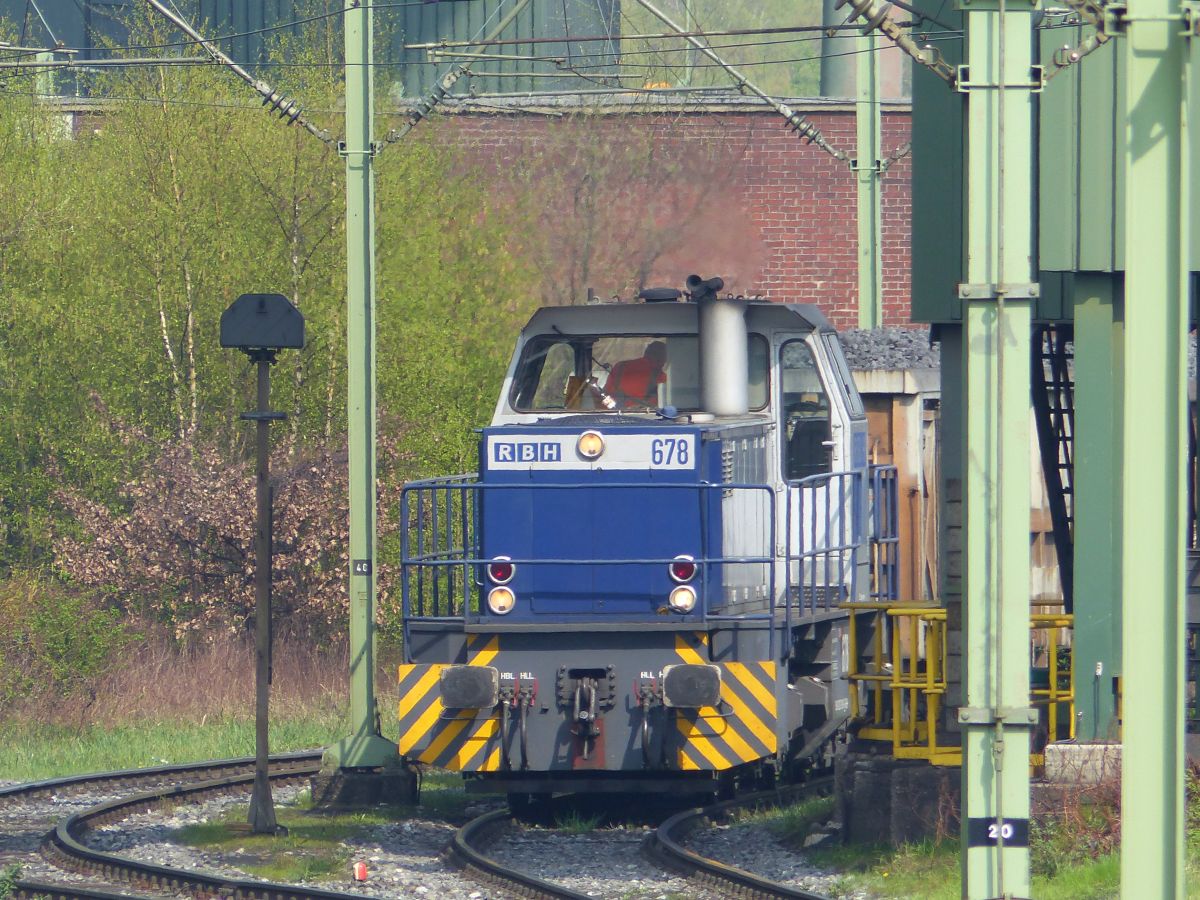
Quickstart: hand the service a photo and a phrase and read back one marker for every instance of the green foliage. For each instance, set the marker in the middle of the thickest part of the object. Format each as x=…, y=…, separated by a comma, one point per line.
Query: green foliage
x=1056, y=845
x=55, y=641
x=576, y=822
x=9, y=876
x=120, y=249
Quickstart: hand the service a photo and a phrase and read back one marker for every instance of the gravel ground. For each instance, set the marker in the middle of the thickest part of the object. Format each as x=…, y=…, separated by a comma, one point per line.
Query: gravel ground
x=403, y=858
x=23, y=823
x=605, y=863
x=755, y=849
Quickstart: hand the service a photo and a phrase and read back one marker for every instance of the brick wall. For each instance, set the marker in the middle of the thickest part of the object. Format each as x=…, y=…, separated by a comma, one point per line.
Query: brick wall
x=744, y=198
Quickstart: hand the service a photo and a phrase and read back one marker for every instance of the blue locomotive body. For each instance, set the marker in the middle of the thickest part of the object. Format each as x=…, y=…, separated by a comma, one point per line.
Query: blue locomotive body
x=644, y=583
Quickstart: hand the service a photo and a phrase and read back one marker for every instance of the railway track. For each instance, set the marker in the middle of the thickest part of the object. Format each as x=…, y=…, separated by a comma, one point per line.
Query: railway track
x=199, y=771
x=665, y=845
x=65, y=846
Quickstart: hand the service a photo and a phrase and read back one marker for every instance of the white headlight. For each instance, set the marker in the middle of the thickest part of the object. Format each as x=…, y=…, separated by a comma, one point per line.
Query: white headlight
x=501, y=600
x=590, y=444
x=683, y=599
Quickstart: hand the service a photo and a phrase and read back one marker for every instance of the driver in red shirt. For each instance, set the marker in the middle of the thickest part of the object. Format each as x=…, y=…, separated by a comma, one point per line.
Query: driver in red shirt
x=634, y=382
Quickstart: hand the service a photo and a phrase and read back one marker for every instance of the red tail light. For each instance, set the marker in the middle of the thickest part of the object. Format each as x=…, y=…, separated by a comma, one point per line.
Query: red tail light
x=501, y=570
x=682, y=569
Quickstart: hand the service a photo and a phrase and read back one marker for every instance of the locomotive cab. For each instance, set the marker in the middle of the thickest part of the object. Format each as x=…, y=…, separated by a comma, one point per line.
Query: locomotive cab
x=642, y=583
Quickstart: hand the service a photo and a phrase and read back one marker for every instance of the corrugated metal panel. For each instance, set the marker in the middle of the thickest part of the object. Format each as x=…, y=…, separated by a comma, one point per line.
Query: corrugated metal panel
x=82, y=24
x=1081, y=190
x=91, y=24
x=937, y=184
x=541, y=19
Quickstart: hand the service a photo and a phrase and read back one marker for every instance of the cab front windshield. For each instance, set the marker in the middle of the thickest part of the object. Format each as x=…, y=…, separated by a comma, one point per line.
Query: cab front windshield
x=608, y=373
x=611, y=373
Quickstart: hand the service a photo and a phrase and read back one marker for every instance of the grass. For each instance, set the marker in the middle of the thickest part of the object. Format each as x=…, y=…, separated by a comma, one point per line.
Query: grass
x=930, y=870
x=8, y=880
x=313, y=849
x=31, y=751
x=165, y=704
x=443, y=796
x=1071, y=858
x=575, y=822
x=792, y=824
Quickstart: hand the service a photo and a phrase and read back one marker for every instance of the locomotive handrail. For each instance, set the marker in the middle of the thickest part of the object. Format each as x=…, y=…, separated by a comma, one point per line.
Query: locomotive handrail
x=806, y=492
x=459, y=551
x=832, y=520
x=885, y=534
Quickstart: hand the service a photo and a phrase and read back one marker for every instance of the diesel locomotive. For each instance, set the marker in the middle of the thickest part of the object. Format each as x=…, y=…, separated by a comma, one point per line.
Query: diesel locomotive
x=643, y=588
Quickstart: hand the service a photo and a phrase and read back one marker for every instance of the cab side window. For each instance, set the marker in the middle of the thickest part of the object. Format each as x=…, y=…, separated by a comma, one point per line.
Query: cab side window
x=807, y=439
x=557, y=366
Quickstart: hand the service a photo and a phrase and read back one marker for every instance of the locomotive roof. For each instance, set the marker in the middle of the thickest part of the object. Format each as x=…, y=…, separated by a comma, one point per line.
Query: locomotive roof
x=665, y=318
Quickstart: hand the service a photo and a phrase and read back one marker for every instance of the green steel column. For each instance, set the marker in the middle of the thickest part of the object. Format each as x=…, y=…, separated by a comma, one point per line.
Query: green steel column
x=1153, y=523
x=951, y=445
x=837, y=69
x=1096, y=498
x=364, y=747
x=998, y=293
x=866, y=166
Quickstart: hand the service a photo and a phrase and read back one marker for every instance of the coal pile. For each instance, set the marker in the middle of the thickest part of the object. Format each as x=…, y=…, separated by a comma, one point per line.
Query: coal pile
x=890, y=348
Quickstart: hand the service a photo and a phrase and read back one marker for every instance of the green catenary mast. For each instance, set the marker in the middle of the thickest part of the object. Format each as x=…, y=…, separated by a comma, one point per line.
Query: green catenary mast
x=364, y=748
x=998, y=296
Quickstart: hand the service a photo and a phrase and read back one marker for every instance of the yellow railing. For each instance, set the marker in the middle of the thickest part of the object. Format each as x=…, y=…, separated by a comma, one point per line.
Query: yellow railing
x=1052, y=695
x=909, y=664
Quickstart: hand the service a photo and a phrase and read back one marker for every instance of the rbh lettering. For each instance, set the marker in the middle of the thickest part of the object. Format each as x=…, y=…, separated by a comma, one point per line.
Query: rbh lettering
x=526, y=451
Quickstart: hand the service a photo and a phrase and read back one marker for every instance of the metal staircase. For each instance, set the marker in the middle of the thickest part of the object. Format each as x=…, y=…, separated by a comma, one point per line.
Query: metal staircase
x=1054, y=412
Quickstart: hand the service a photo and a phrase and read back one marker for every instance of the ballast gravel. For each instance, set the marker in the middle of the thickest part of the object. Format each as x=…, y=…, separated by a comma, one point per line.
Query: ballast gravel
x=604, y=862
x=403, y=858
x=752, y=847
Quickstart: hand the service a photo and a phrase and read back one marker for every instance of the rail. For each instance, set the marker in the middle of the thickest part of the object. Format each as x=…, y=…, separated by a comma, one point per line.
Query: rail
x=897, y=671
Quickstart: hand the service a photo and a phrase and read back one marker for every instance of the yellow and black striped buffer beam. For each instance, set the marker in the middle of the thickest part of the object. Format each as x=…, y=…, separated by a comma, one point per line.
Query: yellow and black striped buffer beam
x=743, y=728
x=461, y=740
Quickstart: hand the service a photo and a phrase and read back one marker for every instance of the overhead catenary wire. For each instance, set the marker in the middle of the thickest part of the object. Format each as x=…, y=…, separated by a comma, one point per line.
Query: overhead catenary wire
x=573, y=38
x=579, y=68
x=579, y=71
x=580, y=62
x=800, y=123
x=266, y=29
x=448, y=80
x=874, y=14
x=287, y=108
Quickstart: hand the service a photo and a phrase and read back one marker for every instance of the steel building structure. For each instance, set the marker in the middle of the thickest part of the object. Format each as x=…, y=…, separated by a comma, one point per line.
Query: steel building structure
x=1107, y=193
x=93, y=27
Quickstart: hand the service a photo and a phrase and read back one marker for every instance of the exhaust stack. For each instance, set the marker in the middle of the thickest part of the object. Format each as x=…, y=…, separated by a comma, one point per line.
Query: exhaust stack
x=724, y=360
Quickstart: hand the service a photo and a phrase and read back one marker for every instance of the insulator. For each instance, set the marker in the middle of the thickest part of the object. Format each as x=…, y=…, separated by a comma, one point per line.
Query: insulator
x=802, y=126
x=876, y=18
